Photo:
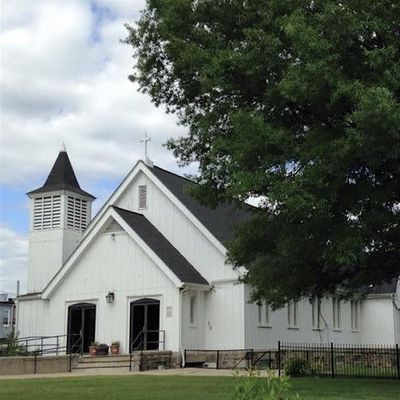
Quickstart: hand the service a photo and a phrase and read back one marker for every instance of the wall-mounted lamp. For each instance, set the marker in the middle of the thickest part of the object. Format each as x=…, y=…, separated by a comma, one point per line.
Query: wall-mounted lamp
x=110, y=297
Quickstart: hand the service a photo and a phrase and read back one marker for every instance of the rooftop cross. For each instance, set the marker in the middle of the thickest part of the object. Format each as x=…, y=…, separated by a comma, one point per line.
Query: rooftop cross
x=145, y=140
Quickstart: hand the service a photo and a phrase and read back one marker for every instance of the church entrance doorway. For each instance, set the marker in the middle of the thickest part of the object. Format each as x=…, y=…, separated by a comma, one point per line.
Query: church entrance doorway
x=81, y=327
x=144, y=324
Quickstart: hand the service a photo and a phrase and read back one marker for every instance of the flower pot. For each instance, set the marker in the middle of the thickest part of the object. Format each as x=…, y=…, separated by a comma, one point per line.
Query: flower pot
x=115, y=349
x=93, y=351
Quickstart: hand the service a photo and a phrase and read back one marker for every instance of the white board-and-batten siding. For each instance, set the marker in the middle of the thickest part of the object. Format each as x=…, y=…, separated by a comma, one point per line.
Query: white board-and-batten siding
x=181, y=232
x=113, y=262
x=220, y=310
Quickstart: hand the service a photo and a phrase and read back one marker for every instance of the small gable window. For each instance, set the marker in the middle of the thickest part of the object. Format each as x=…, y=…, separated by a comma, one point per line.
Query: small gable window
x=142, y=194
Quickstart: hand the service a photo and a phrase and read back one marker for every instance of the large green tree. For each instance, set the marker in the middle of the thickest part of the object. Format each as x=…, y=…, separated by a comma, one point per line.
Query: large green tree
x=295, y=102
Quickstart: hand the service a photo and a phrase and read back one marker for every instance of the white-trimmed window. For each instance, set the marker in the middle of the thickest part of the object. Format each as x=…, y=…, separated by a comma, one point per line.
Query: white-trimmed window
x=46, y=212
x=142, y=197
x=355, y=314
x=77, y=213
x=263, y=315
x=192, y=310
x=292, y=310
x=337, y=313
x=316, y=312
x=6, y=318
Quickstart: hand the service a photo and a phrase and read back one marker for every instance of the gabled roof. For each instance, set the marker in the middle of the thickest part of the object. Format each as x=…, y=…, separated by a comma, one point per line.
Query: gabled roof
x=178, y=264
x=152, y=242
x=61, y=177
x=220, y=221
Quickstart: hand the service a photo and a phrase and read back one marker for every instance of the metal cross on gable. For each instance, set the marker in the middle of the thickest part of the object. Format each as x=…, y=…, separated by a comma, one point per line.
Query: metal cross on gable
x=145, y=140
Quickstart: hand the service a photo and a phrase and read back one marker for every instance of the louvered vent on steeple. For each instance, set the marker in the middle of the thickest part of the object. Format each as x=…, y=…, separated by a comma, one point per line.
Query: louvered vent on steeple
x=113, y=226
x=77, y=215
x=47, y=212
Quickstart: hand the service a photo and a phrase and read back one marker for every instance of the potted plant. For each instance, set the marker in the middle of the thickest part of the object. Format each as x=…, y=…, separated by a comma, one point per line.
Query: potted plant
x=115, y=347
x=92, y=349
x=102, y=349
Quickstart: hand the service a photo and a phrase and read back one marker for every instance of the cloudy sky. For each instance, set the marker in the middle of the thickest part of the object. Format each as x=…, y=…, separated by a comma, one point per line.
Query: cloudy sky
x=64, y=79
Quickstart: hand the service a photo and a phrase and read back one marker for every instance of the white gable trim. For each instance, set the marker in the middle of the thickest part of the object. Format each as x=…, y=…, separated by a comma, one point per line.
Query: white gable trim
x=90, y=237
x=141, y=166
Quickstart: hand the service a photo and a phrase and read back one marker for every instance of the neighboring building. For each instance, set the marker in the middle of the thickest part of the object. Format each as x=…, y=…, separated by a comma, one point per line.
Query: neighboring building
x=7, y=315
x=154, y=259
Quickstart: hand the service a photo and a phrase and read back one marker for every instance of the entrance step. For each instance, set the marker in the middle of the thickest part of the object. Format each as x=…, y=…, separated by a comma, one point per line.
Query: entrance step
x=101, y=359
x=146, y=359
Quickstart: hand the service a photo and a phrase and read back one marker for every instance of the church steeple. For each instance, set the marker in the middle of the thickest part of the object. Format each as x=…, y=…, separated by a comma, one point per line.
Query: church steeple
x=60, y=213
x=62, y=177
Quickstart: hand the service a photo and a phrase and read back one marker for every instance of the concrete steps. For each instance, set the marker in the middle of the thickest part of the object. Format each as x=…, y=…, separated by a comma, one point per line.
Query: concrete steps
x=105, y=362
x=147, y=360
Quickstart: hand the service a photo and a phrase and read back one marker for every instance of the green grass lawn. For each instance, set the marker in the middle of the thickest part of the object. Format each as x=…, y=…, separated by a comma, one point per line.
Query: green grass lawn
x=184, y=388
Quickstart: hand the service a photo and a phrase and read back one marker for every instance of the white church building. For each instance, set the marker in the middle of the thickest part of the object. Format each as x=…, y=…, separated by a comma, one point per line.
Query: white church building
x=154, y=260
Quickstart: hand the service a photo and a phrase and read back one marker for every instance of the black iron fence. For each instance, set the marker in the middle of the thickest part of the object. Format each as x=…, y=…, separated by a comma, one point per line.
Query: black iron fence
x=334, y=360
x=372, y=361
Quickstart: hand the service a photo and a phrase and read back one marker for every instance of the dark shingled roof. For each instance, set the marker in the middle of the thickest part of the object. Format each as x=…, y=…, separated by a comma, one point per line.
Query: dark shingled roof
x=220, y=221
x=161, y=246
x=61, y=177
x=384, y=288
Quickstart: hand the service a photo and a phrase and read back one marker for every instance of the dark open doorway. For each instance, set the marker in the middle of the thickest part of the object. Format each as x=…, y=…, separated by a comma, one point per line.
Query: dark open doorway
x=144, y=317
x=81, y=327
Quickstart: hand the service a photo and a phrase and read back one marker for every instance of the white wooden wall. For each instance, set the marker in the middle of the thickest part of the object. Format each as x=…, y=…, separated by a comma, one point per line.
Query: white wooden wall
x=115, y=264
x=178, y=229
x=267, y=337
x=379, y=321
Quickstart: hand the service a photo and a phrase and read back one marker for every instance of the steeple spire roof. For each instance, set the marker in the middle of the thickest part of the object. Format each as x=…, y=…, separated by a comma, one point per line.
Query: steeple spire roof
x=61, y=177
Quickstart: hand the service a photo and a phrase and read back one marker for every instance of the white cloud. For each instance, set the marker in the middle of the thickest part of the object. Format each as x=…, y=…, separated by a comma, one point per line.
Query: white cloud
x=13, y=260
x=65, y=79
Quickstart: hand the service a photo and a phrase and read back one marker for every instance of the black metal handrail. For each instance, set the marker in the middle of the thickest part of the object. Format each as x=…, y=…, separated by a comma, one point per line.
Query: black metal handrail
x=40, y=345
x=35, y=346
x=144, y=342
x=142, y=346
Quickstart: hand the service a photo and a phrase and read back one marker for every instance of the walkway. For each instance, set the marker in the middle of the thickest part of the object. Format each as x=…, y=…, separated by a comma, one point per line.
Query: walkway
x=114, y=372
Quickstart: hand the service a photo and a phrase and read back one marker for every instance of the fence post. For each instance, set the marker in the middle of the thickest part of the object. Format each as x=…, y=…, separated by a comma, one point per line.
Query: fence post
x=279, y=358
x=398, y=360
x=35, y=367
x=217, y=359
x=332, y=361
x=70, y=361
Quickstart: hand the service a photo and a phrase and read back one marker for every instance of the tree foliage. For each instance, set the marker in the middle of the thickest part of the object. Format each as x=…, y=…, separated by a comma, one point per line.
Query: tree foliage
x=295, y=102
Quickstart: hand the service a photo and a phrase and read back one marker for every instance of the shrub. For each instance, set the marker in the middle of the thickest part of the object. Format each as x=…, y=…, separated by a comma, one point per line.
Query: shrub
x=254, y=387
x=11, y=347
x=297, y=367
